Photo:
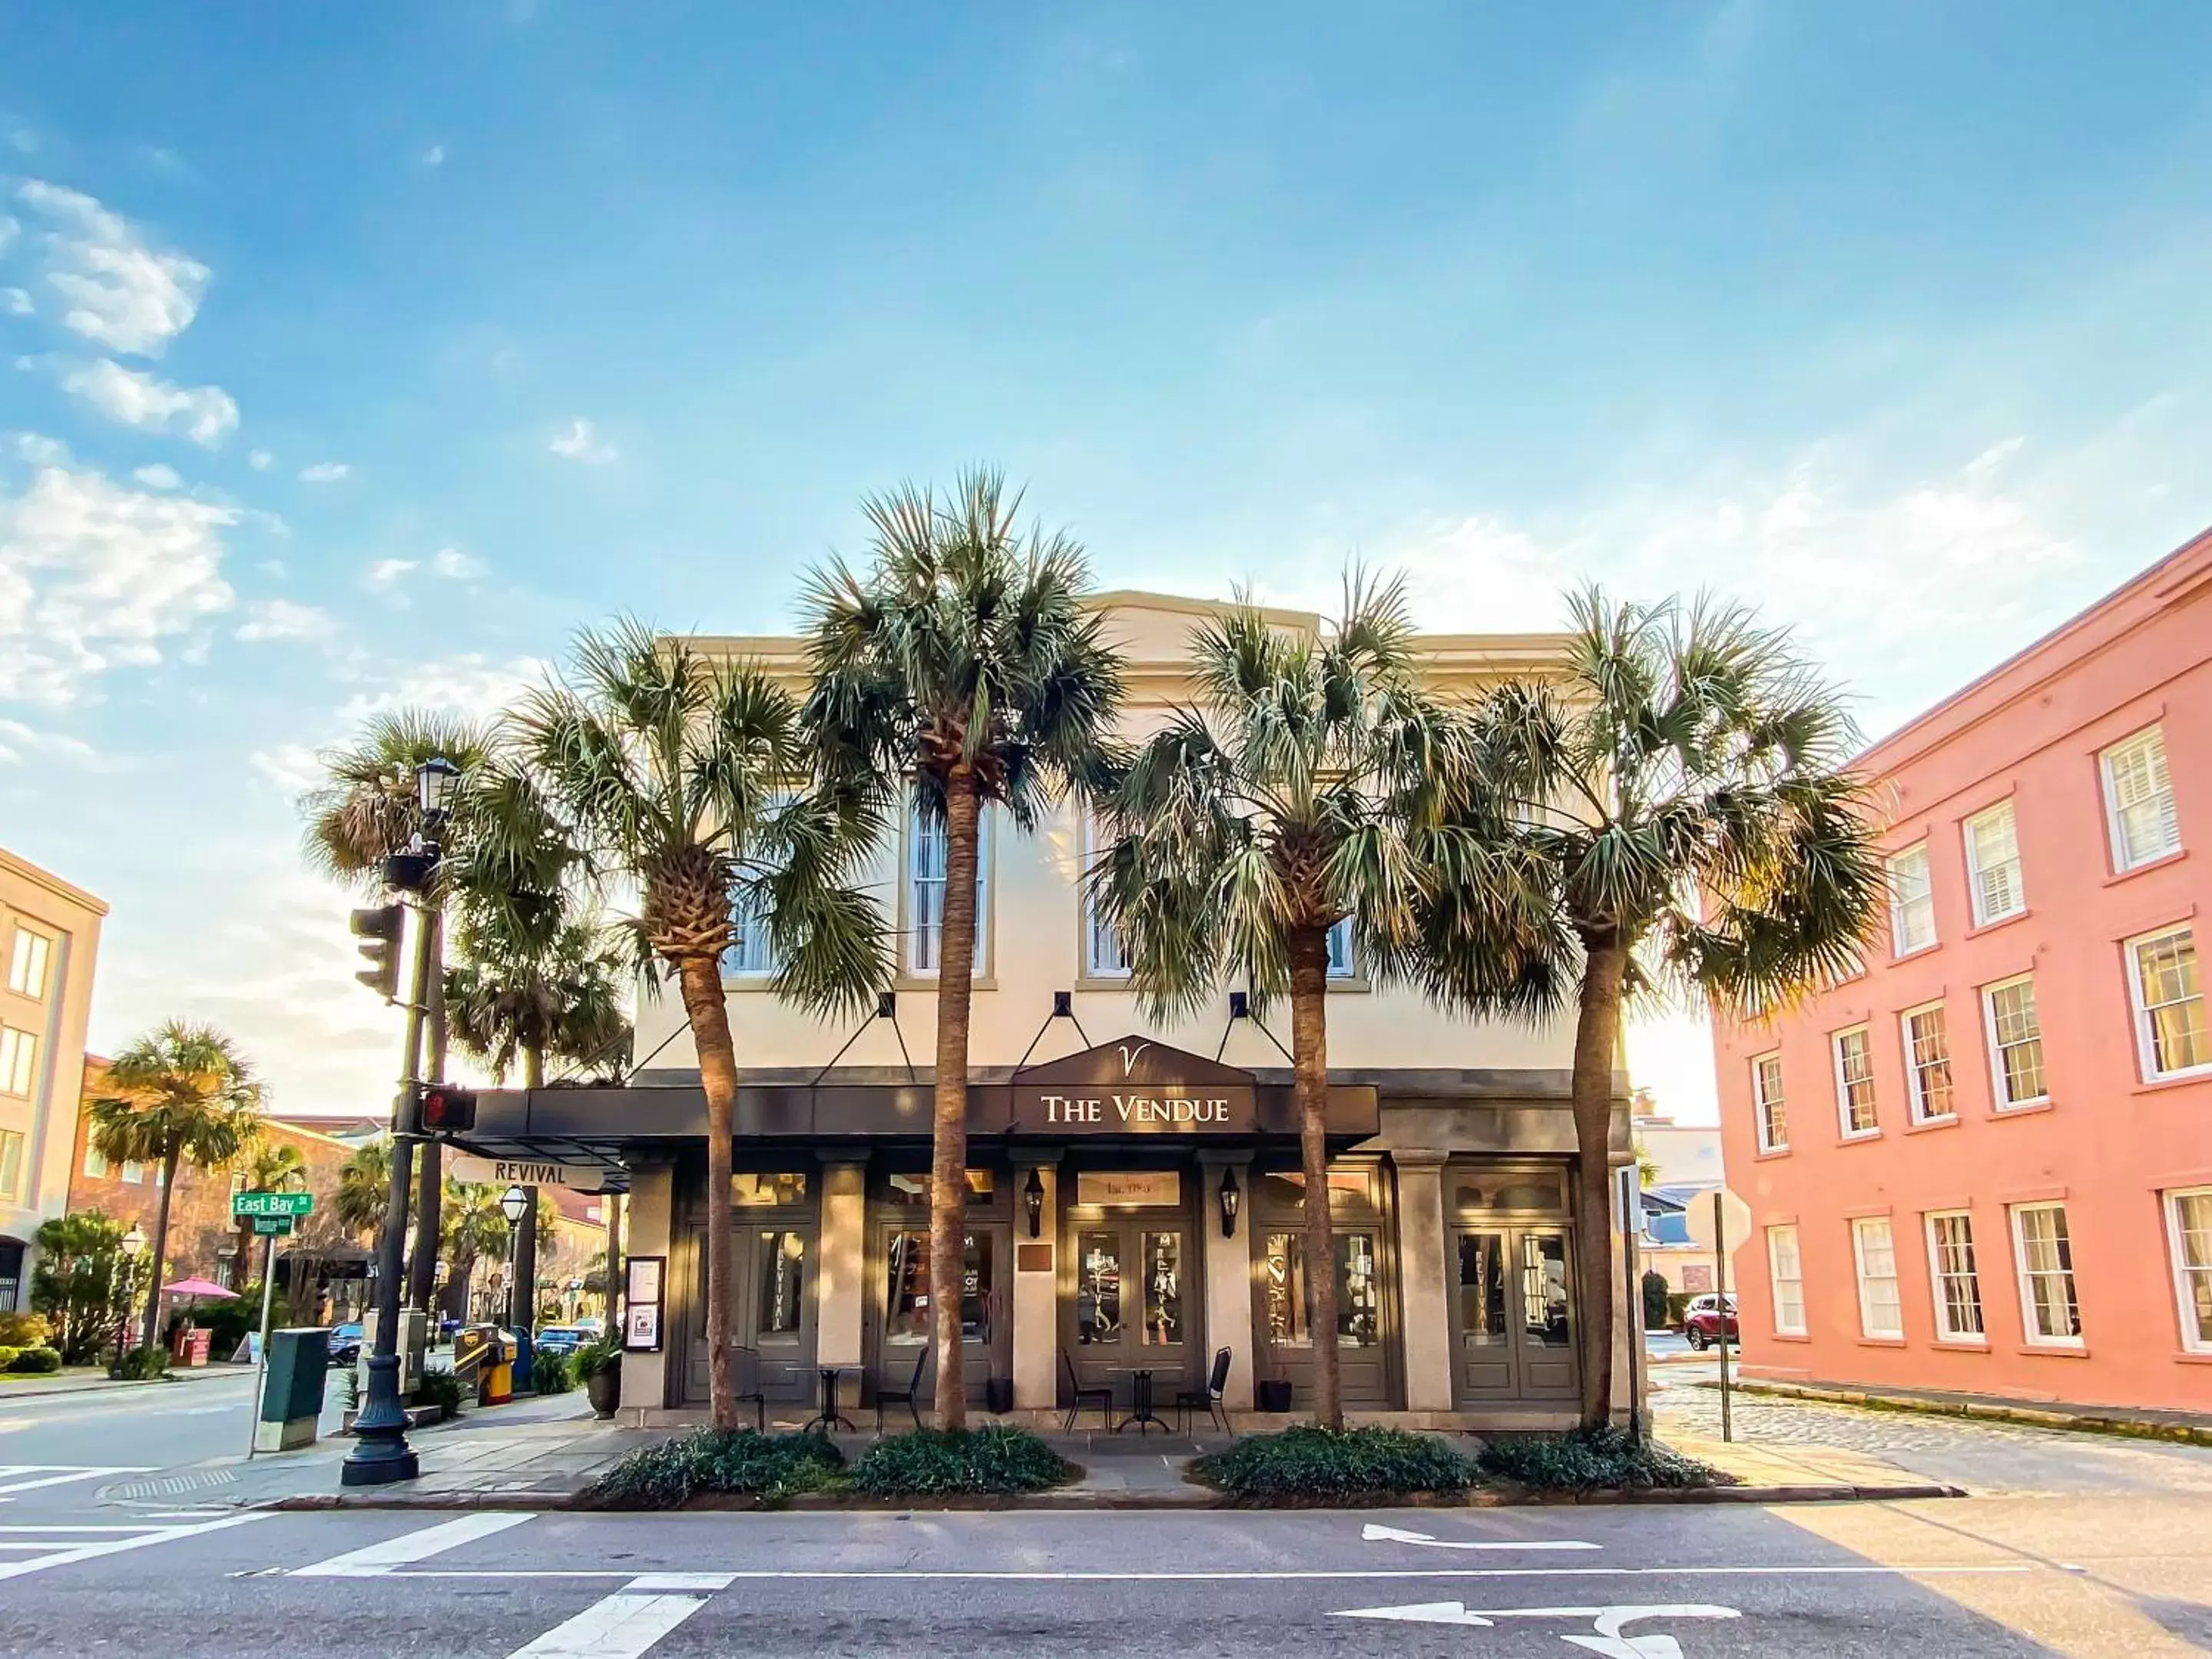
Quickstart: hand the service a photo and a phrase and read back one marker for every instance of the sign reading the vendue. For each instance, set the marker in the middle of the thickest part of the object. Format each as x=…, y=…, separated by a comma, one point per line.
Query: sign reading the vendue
x=1134, y=1087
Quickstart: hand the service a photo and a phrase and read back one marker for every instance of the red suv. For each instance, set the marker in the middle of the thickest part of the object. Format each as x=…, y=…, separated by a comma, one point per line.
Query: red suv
x=1703, y=1320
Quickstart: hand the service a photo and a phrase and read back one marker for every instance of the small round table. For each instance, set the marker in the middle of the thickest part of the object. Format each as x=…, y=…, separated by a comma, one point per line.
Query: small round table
x=1141, y=1400
x=829, y=1417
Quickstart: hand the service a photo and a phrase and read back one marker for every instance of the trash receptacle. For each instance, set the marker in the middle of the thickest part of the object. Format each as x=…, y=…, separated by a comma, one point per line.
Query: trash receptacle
x=292, y=1394
x=998, y=1395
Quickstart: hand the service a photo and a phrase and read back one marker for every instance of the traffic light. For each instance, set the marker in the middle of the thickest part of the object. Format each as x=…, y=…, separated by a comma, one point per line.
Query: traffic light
x=379, y=930
x=447, y=1110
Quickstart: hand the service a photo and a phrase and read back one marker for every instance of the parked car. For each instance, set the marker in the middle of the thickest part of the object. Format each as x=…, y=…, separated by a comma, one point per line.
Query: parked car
x=561, y=1339
x=345, y=1343
x=593, y=1326
x=1705, y=1319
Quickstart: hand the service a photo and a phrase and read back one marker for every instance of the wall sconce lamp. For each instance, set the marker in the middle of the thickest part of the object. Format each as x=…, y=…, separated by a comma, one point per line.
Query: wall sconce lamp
x=1230, y=1198
x=1240, y=1004
x=886, y=1004
x=1033, y=1202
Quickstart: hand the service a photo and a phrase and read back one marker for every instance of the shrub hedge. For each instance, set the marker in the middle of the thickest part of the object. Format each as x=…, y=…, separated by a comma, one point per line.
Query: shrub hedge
x=744, y=1460
x=551, y=1373
x=441, y=1388
x=21, y=1330
x=1588, y=1459
x=144, y=1363
x=1315, y=1462
x=938, y=1462
x=35, y=1362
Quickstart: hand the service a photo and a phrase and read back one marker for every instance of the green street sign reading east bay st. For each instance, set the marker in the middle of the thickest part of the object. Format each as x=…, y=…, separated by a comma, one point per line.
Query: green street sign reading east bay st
x=286, y=1204
x=272, y=1226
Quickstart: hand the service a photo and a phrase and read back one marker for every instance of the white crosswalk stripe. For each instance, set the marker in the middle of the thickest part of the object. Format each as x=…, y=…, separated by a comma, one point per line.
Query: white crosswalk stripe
x=58, y=1546
x=28, y=1477
x=625, y=1625
x=378, y=1559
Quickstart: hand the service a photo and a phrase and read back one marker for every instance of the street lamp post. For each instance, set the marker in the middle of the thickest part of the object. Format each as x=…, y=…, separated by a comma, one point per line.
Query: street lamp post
x=512, y=1204
x=132, y=1244
x=380, y=1453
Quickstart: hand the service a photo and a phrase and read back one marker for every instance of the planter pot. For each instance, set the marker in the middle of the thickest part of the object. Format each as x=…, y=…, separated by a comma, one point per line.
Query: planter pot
x=998, y=1395
x=1273, y=1396
x=604, y=1389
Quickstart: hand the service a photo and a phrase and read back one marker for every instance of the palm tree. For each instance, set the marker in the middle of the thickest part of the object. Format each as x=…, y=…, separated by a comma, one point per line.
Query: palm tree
x=965, y=667
x=364, y=1189
x=1679, y=803
x=671, y=771
x=475, y=1228
x=1301, y=795
x=507, y=1000
x=268, y=1168
x=181, y=1094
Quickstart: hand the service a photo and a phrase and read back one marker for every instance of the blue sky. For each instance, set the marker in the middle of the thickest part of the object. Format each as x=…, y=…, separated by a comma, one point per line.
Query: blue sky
x=352, y=356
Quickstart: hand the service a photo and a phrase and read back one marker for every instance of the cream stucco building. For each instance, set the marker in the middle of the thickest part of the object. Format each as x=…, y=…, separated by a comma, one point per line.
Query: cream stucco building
x=1100, y=1147
x=49, y=940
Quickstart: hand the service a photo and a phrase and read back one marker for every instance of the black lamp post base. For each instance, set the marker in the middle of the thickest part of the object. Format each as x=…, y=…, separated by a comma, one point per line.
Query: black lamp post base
x=381, y=1455
x=365, y=1467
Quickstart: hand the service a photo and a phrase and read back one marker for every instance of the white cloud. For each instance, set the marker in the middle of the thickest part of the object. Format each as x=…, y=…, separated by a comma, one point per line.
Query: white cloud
x=94, y=576
x=259, y=460
x=434, y=156
x=469, y=685
x=10, y=228
x=20, y=744
x=207, y=414
x=40, y=450
x=118, y=290
x=158, y=477
x=456, y=566
x=324, y=472
x=16, y=302
x=386, y=572
x=582, y=442
x=282, y=619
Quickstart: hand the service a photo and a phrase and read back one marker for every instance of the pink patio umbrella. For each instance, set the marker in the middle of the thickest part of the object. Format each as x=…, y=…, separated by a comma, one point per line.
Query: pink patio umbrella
x=198, y=1288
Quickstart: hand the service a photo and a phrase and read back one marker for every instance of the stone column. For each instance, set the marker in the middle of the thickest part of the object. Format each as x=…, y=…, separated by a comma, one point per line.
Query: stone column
x=841, y=1291
x=1228, y=1275
x=1037, y=1291
x=646, y=1378
x=1424, y=1280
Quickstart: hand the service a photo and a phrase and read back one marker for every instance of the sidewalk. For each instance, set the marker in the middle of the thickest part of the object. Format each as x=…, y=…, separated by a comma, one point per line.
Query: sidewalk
x=2188, y=1427
x=86, y=1379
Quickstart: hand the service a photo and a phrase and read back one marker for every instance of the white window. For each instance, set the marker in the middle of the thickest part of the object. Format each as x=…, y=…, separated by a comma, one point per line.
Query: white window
x=2169, y=999
x=134, y=1173
x=1952, y=1276
x=2189, y=1229
x=1101, y=947
x=96, y=1167
x=751, y=954
x=18, y=1061
x=1341, y=963
x=2015, y=1038
x=1767, y=1108
x=1911, y=903
x=11, y=1165
x=2139, y=800
x=1993, y=865
x=1854, y=1083
x=925, y=894
x=1882, y=1313
x=1928, y=1063
x=26, y=962
x=1787, y=1271
x=2045, y=1259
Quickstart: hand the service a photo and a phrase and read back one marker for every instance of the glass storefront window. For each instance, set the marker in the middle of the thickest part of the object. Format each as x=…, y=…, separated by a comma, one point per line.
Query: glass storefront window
x=912, y=1191
x=976, y=1282
x=1163, y=1289
x=1358, y=1291
x=1287, y=1187
x=1517, y=1189
x=752, y=1192
x=906, y=1308
x=1544, y=1290
x=1482, y=1317
x=1097, y=1288
x=782, y=1282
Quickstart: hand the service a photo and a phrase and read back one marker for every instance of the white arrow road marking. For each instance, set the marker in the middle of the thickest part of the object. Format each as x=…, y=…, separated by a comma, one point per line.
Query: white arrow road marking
x=71, y=1550
x=625, y=1625
x=379, y=1559
x=1373, y=1535
x=1608, y=1640
x=52, y=1475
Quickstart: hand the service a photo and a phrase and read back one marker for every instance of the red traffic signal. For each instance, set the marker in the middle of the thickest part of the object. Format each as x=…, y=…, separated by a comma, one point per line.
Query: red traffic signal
x=447, y=1110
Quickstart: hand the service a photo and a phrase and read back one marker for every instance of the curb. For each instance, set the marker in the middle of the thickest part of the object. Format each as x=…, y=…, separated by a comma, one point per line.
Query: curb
x=1071, y=1502
x=2036, y=1417
x=112, y=1385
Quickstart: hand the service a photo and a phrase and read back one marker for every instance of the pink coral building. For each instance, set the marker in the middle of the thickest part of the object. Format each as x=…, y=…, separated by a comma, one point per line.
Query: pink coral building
x=1984, y=1165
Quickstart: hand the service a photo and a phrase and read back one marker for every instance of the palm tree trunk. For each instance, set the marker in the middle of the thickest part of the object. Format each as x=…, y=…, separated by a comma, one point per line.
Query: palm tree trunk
x=948, y=1185
x=701, y=980
x=430, y=1173
x=241, y=1259
x=160, y=1241
x=1310, y=1067
x=613, y=1203
x=525, y=1238
x=1597, y=1041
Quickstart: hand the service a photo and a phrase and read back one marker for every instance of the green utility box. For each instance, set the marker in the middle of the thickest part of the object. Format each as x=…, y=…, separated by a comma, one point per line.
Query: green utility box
x=292, y=1397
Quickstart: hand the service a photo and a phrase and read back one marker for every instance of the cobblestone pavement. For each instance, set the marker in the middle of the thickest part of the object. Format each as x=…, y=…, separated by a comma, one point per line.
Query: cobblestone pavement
x=1981, y=1456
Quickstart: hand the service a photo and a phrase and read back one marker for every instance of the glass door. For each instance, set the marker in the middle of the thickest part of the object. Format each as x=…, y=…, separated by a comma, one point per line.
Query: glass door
x=985, y=1339
x=1513, y=1333
x=1482, y=1324
x=1131, y=1304
x=771, y=1309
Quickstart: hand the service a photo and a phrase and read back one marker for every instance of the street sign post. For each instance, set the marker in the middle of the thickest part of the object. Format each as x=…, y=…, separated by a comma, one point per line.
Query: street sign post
x=272, y=1215
x=272, y=1226
x=243, y=1205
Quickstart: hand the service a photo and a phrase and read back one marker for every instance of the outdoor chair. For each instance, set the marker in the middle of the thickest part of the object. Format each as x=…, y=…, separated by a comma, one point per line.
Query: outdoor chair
x=1189, y=1399
x=1078, y=1396
x=744, y=1368
x=909, y=1396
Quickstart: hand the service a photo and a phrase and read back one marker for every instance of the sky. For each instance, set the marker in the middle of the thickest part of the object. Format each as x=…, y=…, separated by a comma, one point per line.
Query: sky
x=353, y=357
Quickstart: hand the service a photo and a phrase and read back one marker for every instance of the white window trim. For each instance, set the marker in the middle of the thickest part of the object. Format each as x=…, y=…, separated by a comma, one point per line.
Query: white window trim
x=2146, y=1050
x=1898, y=948
x=1983, y=918
x=1842, y=1090
x=1941, y=1307
x=986, y=883
x=2115, y=830
x=2190, y=1341
x=96, y=1167
x=13, y=1190
x=18, y=954
x=1999, y=1101
x=26, y=1044
x=2034, y=1337
x=1086, y=907
x=1859, y=1273
x=1915, y=1105
x=1759, y=1103
x=1774, y=1280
